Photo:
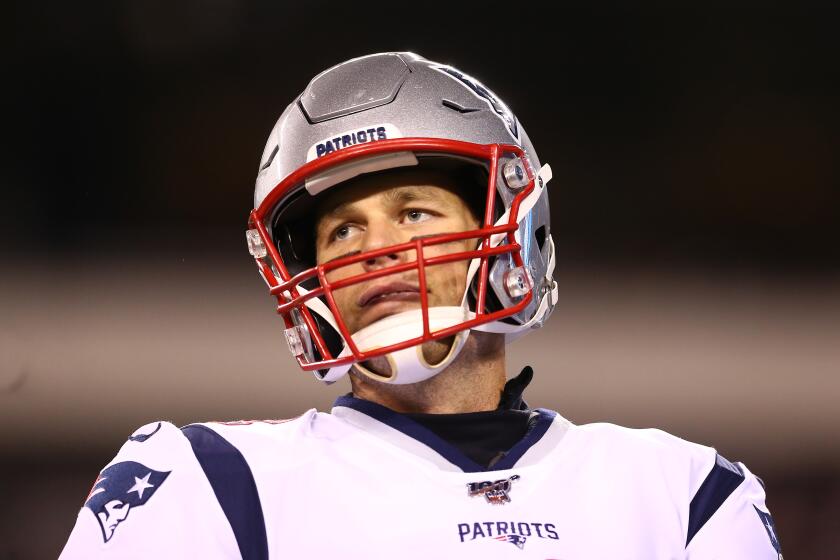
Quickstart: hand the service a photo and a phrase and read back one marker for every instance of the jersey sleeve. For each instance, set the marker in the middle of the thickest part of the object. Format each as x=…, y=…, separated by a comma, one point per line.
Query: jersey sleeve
x=728, y=518
x=152, y=501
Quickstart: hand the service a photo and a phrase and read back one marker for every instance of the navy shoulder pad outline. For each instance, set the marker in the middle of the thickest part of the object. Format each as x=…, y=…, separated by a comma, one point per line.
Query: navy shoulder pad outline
x=233, y=483
x=721, y=481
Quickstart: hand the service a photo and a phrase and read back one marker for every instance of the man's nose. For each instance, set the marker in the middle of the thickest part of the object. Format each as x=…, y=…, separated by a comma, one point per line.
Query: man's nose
x=379, y=236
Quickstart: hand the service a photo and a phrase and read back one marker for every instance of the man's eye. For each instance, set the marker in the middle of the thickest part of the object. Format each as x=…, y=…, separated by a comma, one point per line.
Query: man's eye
x=343, y=232
x=416, y=216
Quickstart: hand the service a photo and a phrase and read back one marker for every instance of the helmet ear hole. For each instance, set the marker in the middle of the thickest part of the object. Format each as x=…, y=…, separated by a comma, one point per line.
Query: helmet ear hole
x=539, y=234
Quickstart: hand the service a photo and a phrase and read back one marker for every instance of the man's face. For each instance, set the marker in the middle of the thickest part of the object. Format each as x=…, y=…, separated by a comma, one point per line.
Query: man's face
x=387, y=209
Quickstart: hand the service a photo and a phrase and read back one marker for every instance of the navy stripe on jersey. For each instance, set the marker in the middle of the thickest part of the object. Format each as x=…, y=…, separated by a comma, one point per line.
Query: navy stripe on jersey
x=721, y=481
x=234, y=486
x=448, y=451
x=534, y=434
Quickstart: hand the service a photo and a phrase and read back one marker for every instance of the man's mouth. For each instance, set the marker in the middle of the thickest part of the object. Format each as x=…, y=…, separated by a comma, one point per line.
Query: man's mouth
x=393, y=291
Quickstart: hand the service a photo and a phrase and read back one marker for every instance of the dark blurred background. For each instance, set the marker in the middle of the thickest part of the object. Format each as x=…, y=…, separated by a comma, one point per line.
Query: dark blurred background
x=695, y=209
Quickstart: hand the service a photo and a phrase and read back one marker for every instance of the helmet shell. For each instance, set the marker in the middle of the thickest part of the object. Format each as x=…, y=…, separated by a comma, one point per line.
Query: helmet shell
x=418, y=97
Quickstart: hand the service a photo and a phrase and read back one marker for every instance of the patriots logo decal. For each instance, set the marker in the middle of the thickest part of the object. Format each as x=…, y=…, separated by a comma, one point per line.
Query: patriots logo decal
x=517, y=540
x=120, y=488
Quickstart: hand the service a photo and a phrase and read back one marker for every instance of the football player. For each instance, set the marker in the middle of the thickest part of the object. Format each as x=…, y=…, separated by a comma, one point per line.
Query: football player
x=401, y=221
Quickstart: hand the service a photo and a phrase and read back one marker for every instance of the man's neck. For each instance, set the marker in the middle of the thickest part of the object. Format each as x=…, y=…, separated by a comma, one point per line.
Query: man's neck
x=472, y=383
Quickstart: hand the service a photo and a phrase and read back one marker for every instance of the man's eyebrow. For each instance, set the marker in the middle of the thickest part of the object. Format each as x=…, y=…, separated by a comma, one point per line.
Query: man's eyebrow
x=410, y=194
x=399, y=195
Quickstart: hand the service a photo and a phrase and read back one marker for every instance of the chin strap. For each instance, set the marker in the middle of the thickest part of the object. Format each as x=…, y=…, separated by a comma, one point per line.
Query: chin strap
x=408, y=365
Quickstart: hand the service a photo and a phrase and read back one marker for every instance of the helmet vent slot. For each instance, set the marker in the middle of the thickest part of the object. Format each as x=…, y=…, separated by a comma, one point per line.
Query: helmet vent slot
x=270, y=158
x=457, y=107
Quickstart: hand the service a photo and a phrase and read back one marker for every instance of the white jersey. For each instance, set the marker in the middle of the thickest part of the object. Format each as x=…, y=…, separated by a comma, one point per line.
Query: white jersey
x=365, y=482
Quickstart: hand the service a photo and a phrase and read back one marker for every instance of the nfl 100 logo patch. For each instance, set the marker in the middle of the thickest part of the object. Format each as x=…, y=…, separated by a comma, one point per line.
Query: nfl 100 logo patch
x=496, y=492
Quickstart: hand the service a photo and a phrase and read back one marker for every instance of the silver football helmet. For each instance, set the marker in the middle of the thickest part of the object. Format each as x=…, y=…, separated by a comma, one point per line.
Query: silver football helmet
x=378, y=113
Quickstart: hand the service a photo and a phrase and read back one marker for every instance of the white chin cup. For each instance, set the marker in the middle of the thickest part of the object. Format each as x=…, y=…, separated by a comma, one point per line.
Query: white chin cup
x=407, y=365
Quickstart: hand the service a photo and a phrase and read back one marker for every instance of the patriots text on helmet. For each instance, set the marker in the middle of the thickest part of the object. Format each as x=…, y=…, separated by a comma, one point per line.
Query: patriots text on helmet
x=351, y=139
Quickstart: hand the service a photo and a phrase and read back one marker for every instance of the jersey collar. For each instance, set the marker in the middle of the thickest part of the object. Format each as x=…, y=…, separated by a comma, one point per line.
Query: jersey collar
x=546, y=420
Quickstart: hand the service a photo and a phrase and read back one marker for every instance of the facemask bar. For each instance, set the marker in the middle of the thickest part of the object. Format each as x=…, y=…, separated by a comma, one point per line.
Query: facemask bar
x=293, y=300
